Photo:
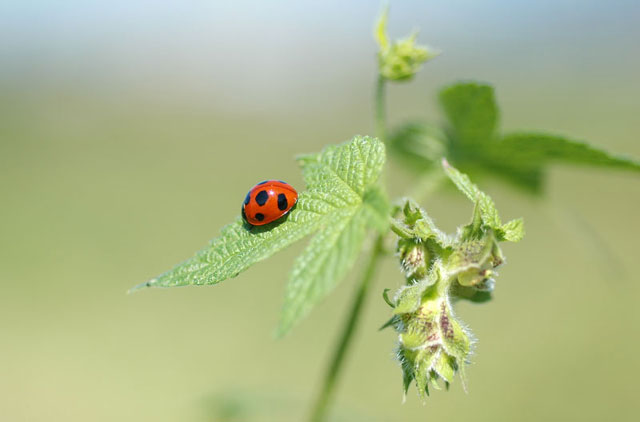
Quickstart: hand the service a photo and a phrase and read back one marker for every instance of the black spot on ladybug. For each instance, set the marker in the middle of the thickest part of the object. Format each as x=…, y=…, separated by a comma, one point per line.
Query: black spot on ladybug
x=262, y=183
x=261, y=197
x=260, y=216
x=244, y=216
x=282, y=202
x=247, y=198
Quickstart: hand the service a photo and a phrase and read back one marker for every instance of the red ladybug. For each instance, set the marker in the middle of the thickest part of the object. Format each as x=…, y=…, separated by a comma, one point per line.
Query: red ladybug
x=268, y=201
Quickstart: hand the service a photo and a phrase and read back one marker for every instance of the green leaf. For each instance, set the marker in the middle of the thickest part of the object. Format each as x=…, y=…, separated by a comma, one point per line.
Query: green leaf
x=474, y=144
x=537, y=148
x=406, y=358
x=380, y=32
x=471, y=294
x=420, y=145
x=349, y=172
x=238, y=247
x=420, y=225
x=485, y=212
x=337, y=181
x=346, y=171
x=513, y=231
x=521, y=158
x=472, y=113
x=485, y=204
x=528, y=176
x=385, y=296
x=322, y=265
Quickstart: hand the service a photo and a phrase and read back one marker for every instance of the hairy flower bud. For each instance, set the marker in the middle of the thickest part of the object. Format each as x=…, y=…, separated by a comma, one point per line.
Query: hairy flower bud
x=414, y=259
x=433, y=344
x=474, y=262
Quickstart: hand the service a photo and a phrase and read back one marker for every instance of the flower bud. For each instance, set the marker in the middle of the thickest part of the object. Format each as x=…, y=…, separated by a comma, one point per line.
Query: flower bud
x=474, y=261
x=414, y=259
x=433, y=344
x=439, y=269
x=399, y=60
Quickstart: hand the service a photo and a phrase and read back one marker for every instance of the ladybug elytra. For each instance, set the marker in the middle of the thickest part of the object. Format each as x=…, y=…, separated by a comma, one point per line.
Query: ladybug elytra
x=268, y=201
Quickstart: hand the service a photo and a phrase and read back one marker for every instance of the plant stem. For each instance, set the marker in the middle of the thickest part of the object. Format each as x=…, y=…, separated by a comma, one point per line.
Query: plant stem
x=323, y=401
x=321, y=407
x=380, y=113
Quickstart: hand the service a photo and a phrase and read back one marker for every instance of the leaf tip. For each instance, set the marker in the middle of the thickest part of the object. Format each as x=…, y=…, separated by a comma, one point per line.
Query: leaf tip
x=281, y=331
x=141, y=286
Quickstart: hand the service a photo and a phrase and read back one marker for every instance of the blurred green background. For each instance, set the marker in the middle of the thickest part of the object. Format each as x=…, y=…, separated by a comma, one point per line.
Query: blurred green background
x=131, y=131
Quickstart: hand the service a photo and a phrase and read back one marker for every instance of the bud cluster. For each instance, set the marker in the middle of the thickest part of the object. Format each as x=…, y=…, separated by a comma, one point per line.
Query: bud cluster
x=399, y=60
x=433, y=344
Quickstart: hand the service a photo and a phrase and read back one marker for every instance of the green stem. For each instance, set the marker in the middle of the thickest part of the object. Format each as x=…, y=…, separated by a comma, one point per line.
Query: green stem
x=380, y=112
x=323, y=401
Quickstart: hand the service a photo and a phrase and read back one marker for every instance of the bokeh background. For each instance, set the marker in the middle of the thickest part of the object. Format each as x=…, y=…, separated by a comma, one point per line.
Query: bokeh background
x=130, y=131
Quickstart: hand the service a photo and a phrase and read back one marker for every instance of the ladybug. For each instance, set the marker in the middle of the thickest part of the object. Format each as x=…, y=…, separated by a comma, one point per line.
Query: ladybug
x=268, y=201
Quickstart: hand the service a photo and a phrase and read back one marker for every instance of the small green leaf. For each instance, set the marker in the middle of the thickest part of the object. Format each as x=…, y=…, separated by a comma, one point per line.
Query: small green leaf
x=385, y=296
x=344, y=177
x=472, y=113
x=530, y=148
x=421, y=374
x=406, y=358
x=421, y=225
x=420, y=145
x=484, y=203
x=445, y=367
x=380, y=33
x=485, y=212
x=513, y=231
x=390, y=323
x=471, y=294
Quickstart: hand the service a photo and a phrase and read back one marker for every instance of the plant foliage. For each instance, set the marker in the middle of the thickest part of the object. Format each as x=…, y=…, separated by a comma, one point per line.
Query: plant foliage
x=471, y=141
x=342, y=202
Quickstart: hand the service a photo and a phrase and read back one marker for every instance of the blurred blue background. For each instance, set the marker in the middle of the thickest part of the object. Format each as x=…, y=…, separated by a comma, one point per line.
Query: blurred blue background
x=130, y=131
